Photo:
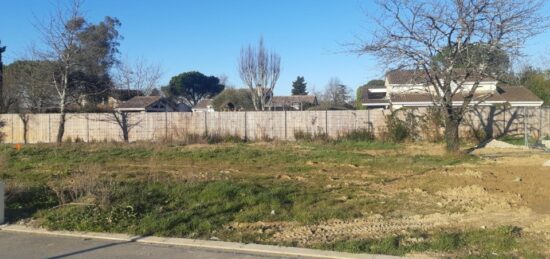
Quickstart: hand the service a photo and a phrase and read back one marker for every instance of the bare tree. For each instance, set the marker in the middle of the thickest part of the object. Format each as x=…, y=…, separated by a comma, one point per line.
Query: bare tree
x=336, y=93
x=60, y=36
x=137, y=75
x=259, y=69
x=124, y=121
x=451, y=44
x=82, y=54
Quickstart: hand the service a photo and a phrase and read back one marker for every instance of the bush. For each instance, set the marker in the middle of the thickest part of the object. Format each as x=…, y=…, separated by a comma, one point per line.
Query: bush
x=2, y=135
x=307, y=136
x=358, y=135
x=216, y=138
x=396, y=129
x=431, y=125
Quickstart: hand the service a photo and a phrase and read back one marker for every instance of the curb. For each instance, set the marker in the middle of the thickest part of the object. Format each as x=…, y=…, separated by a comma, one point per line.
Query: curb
x=205, y=244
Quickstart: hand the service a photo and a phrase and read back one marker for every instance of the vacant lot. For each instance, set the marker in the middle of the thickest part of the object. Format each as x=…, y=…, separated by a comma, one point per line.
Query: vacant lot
x=349, y=196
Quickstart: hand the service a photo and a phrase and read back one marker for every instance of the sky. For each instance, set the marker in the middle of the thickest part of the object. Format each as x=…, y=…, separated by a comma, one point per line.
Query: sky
x=311, y=36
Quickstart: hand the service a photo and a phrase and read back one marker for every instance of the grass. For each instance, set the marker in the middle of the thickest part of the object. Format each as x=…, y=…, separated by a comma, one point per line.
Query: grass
x=519, y=141
x=501, y=242
x=198, y=191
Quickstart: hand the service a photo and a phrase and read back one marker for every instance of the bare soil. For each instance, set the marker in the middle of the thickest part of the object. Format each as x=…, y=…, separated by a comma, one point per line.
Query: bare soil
x=508, y=187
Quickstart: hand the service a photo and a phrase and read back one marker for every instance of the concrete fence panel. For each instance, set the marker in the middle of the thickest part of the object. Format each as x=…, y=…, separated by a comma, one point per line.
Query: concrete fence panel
x=281, y=125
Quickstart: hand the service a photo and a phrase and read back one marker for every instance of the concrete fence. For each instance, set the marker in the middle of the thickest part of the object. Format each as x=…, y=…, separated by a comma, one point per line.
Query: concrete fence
x=280, y=125
x=1, y=203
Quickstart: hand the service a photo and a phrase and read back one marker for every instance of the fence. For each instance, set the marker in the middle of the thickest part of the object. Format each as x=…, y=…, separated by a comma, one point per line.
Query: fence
x=281, y=125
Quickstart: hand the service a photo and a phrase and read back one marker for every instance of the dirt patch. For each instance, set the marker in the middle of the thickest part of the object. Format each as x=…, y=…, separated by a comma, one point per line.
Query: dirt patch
x=505, y=188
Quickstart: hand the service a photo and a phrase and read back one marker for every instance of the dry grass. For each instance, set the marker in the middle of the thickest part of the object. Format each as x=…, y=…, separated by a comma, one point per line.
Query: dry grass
x=354, y=194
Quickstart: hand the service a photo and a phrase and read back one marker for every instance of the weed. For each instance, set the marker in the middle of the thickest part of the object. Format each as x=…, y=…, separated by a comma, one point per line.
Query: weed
x=358, y=135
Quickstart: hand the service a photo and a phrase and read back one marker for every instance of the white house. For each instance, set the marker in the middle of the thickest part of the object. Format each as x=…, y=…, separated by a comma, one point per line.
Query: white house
x=408, y=88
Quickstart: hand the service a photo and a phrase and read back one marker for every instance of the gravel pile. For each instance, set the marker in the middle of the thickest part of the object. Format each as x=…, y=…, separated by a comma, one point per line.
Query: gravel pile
x=501, y=144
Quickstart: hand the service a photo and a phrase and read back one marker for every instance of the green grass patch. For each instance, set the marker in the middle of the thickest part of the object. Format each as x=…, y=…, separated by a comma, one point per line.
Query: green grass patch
x=501, y=242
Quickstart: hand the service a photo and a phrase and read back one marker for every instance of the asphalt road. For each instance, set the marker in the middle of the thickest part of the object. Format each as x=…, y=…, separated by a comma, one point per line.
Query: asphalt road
x=19, y=245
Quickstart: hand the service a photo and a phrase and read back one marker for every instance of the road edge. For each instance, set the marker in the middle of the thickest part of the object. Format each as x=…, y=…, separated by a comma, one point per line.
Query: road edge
x=194, y=243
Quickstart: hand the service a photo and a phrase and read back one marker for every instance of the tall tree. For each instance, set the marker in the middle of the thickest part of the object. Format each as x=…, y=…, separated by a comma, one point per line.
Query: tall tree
x=259, y=69
x=299, y=87
x=137, y=75
x=411, y=34
x=193, y=87
x=82, y=54
x=336, y=93
x=28, y=81
x=363, y=88
x=537, y=81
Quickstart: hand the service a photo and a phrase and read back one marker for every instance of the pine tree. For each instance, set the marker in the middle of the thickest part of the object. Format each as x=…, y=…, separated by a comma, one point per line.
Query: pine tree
x=299, y=86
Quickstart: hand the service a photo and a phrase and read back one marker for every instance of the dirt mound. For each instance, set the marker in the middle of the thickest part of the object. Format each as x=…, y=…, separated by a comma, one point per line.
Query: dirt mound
x=476, y=198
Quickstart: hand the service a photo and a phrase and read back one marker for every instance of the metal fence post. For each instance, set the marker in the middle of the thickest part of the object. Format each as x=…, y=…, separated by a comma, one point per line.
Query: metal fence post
x=326, y=122
x=87, y=127
x=12, y=131
x=540, y=123
x=368, y=121
x=245, y=131
x=49, y=128
x=165, y=123
x=205, y=124
x=525, y=126
x=286, y=134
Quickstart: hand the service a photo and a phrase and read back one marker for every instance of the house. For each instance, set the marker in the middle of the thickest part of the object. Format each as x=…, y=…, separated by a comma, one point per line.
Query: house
x=294, y=102
x=408, y=88
x=117, y=96
x=106, y=101
x=151, y=104
x=204, y=105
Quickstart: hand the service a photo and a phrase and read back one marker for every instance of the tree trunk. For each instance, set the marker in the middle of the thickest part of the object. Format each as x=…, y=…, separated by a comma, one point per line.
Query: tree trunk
x=61, y=129
x=125, y=127
x=25, y=130
x=451, y=134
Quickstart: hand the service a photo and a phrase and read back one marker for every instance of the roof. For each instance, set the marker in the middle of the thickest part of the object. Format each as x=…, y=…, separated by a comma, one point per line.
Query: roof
x=282, y=100
x=139, y=102
x=504, y=94
x=425, y=97
x=518, y=94
x=400, y=77
x=203, y=104
x=374, y=97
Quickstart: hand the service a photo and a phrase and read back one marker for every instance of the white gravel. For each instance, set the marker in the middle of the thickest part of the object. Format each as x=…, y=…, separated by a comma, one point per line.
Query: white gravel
x=501, y=144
